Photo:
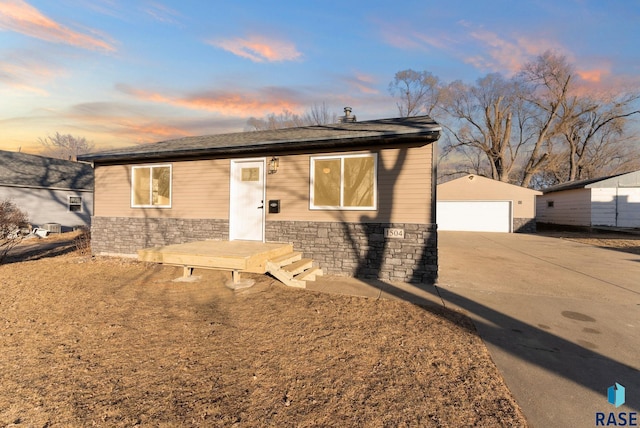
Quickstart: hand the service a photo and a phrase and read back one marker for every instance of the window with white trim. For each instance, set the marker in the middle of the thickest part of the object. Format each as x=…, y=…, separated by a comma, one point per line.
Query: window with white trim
x=345, y=182
x=151, y=186
x=75, y=204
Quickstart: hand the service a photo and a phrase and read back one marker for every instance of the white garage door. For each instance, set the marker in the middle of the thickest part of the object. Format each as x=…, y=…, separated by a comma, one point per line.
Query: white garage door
x=474, y=216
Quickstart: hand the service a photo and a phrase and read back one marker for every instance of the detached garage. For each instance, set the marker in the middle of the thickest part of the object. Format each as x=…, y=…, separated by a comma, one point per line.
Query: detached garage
x=479, y=204
x=606, y=201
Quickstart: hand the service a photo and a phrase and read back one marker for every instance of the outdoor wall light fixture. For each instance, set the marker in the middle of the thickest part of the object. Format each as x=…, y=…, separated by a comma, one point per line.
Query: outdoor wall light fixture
x=273, y=165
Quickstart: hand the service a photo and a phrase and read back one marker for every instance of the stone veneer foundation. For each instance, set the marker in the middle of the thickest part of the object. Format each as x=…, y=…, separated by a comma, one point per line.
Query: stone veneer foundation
x=362, y=250
x=124, y=236
x=344, y=249
x=524, y=225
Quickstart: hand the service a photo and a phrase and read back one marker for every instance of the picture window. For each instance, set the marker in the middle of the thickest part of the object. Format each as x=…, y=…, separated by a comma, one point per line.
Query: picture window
x=346, y=182
x=151, y=186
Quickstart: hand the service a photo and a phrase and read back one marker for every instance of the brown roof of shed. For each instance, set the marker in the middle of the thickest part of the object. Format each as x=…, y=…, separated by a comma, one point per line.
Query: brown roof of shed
x=367, y=133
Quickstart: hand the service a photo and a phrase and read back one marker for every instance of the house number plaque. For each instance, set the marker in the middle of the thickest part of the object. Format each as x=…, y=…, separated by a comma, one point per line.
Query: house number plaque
x=394, y=233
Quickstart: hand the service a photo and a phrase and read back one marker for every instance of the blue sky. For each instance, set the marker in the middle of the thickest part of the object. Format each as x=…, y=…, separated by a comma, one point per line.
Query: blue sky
x=123, y=72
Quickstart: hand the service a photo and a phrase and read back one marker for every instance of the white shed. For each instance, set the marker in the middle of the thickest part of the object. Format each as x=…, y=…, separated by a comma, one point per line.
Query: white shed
x=605, y=201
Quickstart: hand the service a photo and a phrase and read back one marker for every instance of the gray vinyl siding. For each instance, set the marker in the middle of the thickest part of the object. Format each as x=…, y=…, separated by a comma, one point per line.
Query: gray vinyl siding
x=50, y=206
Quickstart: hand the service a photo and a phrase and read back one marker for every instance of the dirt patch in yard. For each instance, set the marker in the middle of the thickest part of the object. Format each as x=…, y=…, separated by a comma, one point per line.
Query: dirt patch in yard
x=627, y=242
x=114, y=342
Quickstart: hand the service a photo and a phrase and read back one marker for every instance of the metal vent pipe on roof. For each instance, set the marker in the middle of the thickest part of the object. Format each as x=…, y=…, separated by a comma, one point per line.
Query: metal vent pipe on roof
x=347, y=116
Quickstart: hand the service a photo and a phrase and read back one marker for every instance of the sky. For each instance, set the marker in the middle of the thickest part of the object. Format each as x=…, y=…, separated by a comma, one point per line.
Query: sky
x=126, y=72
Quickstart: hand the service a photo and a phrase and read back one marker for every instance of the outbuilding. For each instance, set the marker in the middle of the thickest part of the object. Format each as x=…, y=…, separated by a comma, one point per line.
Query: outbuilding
x=605, y=201
x=479, y=204
x=357, y=197
x=55, y=194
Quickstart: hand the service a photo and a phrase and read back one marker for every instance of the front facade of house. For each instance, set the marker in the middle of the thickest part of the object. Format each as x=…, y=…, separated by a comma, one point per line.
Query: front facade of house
x=480, y=204
x=50, y=191
x=358, y=198
x=606, y=201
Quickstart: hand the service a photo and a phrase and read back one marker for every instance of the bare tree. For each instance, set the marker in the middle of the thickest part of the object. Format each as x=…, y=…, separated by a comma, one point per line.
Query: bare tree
x=66, y=147
x=286, y=119
x=11, y=220
x=482, y=119
x=319, y=114
x=316, y=115
x=535, y=129
x=549, y=77
x=594, y=133
x=418, y=92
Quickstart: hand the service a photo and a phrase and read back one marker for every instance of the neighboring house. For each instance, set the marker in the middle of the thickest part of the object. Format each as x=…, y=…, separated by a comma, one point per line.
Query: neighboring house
x=50, y=191
x=357, y=197
x=605, y=201
x=480, y=204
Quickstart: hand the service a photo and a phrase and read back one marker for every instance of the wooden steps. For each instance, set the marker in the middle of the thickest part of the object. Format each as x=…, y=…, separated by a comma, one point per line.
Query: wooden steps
x=292, y=270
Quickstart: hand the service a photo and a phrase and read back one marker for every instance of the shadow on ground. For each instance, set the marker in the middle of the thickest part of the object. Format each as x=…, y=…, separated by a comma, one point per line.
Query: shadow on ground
x=36, y=249
x=527, y=343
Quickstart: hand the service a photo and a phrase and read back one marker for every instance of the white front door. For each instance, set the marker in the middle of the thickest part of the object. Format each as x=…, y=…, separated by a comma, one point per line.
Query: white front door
x=246, y=216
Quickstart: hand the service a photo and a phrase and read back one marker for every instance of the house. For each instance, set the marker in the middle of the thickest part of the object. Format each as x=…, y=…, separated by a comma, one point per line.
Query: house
x=357, y=197
x=480, y=204
x=55, y=193
x=606, y=201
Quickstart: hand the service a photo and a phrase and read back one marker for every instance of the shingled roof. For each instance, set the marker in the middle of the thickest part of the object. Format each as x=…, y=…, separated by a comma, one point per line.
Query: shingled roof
x=625, y=179
x=24, y=170
x=365, y=134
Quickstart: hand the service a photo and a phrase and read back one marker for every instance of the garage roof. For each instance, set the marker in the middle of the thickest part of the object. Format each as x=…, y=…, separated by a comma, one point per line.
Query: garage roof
x=628, y=179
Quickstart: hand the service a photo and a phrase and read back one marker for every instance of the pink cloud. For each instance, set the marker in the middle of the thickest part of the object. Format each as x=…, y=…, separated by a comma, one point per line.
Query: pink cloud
x=24, y=71
x=401, y=39
x=404, y=37
x=223, y=102
x=259, y=49
x=147, y=131
x=19, y=16
x=593, y=76
x=161, y=13
x=601, y=81
x=363, y=83
x=506, y=55
x=491, y=51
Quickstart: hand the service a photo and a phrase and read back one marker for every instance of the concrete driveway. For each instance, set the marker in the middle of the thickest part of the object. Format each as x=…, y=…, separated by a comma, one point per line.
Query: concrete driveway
x=560, y=319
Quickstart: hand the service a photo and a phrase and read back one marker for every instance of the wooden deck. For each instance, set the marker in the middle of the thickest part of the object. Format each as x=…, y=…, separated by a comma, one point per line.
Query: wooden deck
x=235, y=256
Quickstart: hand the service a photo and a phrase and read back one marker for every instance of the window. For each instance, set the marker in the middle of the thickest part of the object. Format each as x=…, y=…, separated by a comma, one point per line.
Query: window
x=75, y=204
x=344, y=182
x=549, y=204
x=151, y=186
